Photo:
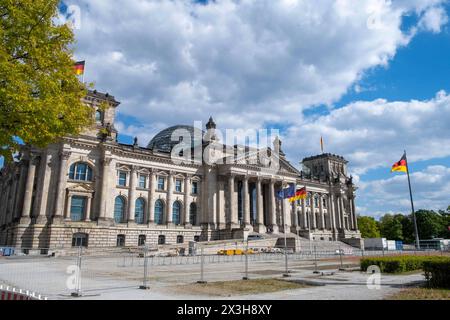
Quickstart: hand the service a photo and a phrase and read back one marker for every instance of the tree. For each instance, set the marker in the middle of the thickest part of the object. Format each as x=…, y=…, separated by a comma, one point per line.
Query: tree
x=40, y=95
x=391, y=227
x=368, y=227
x=430, y=224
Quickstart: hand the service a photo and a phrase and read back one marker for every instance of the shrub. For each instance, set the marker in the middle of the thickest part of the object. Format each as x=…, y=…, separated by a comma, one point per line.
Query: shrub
x=437, y=273
x=401, y=264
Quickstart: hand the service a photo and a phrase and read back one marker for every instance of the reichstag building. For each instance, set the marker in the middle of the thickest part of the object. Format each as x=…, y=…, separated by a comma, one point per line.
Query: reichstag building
x=93, y=191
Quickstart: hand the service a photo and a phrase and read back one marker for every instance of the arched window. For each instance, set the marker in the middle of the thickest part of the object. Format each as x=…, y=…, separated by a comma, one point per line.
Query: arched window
x=176, y=209
x=119, y=209
x=159, y=209
x=139, y=211
x=98, y=116
x=80, y=171
x=193, y=214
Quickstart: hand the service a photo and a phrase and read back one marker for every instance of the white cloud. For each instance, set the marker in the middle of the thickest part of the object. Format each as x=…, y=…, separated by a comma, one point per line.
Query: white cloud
x=430, y=186
x=245, y=62
x=253, y=62
x=433, y=19
x=373, y=134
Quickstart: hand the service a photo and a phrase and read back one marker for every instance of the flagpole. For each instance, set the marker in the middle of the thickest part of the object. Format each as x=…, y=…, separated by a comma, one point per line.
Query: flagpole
x=412, y=205
x=84, y=71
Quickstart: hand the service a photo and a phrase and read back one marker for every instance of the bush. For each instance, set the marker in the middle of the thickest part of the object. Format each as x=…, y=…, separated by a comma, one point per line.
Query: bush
x=401, y=264
x=437, y=273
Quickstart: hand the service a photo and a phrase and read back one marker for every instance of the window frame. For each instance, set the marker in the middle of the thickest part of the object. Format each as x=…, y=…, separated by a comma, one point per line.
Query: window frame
x=178, y=185
x=140, y=237
x=124, y=202
x=83, y=207
x=123, y=238
x=144, y=181
x=160, y=220
x=176, y=219
x=140, y=201
x=194, y=190
x=120, y=178
x=163, y=180
x=76, y=174
x=83, y=237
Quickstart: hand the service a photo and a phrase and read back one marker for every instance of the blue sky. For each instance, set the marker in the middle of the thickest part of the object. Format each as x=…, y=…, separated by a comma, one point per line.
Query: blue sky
x=371, y=77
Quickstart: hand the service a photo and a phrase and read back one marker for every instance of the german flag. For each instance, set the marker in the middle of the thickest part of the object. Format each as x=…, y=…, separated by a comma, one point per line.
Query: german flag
x=400, y=166
x=79, y=68
x=299, y=194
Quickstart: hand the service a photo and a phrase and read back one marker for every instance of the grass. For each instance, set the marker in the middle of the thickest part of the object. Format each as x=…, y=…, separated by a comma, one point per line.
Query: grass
x=421, y=294
x=238, y=287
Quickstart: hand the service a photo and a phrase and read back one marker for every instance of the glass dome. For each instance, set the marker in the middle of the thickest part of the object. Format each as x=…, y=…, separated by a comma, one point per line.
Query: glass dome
x=162, y=142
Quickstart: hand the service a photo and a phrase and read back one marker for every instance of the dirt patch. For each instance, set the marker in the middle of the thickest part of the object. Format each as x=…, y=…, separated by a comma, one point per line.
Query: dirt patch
x=238, y=287
x=421, y=294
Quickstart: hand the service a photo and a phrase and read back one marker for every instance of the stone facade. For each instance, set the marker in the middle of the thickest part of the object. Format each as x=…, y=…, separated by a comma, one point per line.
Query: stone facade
x=92, y=187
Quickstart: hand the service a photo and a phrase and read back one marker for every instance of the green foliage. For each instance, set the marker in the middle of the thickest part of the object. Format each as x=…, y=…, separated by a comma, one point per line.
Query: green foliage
x=437, y=273
x=368, y=227
x=40, y=95
x=399, y=264
x=430, y=224
x=391, y=227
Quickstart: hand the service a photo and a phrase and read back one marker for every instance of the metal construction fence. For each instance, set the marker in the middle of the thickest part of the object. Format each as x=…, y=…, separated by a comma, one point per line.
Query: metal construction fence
x=96, y=270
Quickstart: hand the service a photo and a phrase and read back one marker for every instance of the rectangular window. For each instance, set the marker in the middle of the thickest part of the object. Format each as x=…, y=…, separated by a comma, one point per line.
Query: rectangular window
x=122, y=179
x=178, y=185
x=142, y=181
x=195, y=187
x=77, y=208
x=121, y=240
x=324, y=203
x=161, y=182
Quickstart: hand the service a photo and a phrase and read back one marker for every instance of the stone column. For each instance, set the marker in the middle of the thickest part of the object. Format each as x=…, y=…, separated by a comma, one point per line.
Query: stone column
x=305, y=215
x=341, y=209
x=273, y=207
x=187, y=192
x=67, y=211
x=247, y=218
x=104, y=215
x=352, y=205
x=294, y=210
x=313, y=212
x=4, y=202
x=132, y=194
x=60, y=193
x=169, y=217
x=12, y=194
x=234, y=219
x=87, y=216
x=337, y=212
x=331, y=211
x=259, y=207
x=350, y=215
x=322, y=214
x=150, y=200
x=43, y=189
x=20, y=192
x=26, y=210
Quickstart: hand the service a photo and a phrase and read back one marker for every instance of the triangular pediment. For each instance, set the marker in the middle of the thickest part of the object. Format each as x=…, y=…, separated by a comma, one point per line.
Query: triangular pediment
x=261, y=159
x=81, y=187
